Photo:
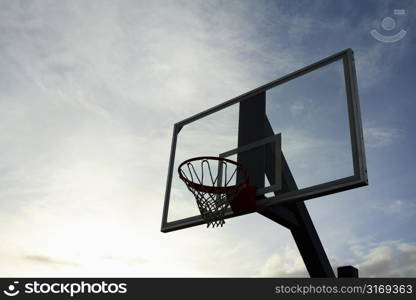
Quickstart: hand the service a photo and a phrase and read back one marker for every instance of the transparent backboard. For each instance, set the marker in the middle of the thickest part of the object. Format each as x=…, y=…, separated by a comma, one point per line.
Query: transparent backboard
x=315, y=112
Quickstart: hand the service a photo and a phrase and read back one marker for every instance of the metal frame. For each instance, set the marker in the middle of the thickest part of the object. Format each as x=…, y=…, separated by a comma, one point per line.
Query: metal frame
x=357, y=143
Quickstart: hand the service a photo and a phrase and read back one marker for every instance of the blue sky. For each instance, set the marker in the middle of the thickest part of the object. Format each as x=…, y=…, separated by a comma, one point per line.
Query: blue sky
x=89, y=93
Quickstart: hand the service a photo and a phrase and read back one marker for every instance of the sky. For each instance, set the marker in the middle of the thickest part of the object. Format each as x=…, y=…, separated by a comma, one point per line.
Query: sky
x=89, y=93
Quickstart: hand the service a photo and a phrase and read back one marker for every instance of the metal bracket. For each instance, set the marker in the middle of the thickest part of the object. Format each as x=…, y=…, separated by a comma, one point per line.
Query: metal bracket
x=276, y=143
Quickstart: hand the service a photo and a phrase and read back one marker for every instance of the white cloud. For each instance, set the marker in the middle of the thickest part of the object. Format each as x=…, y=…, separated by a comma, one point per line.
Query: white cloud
x=388, y=259
x=381, y=259
x=392, y=259
x=378, y=137
x=371, y=68
x=286, y=264
x=399, y=207
x=296, y=108
x=396, y=206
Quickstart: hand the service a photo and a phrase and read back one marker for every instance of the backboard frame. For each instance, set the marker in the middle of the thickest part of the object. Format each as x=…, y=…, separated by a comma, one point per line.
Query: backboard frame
x=358, y=179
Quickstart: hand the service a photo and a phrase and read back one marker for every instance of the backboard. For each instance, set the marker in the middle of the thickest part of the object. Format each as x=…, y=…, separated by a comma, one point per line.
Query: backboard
x=305, y=126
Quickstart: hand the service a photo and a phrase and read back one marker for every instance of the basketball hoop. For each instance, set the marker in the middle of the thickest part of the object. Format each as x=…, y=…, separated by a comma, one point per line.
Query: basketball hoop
x=214, y=192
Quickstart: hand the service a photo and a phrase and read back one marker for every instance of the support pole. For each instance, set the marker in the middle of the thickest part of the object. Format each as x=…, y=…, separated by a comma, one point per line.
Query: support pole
x=304, y=232
x=254, y=126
